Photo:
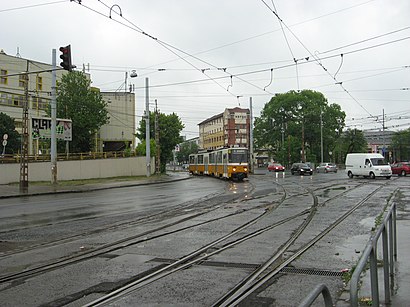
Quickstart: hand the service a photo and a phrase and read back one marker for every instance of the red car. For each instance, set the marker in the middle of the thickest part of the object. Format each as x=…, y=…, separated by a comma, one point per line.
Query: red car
x=401, y=168
x=276, y=167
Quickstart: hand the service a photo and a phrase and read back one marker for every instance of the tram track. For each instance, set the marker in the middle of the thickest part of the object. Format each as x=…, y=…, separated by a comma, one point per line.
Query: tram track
x=203, y=254
x=205, y=204
x=192, y=259
x=261, y=274
x=128, y=241
x=268, y=271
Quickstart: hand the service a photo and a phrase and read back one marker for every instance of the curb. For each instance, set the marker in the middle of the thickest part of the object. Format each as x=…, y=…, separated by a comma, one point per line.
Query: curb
x=92, y=189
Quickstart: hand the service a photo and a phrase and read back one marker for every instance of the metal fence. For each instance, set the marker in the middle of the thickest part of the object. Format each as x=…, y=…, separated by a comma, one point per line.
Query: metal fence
x=388, y=233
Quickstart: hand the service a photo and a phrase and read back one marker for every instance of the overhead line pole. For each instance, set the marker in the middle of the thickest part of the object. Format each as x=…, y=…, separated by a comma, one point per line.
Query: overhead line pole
x=24, y=140
x=251, y=137
x=147, y=132
x=53, y=121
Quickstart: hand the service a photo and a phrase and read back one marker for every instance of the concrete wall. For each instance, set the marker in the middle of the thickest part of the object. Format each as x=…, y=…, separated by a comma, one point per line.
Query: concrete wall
x=78, y=169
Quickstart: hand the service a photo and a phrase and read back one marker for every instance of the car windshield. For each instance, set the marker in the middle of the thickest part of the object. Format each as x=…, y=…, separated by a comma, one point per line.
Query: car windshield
x=379, y=161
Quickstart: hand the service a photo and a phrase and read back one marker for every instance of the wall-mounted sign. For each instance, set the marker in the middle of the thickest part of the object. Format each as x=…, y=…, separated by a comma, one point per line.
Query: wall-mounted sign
x=41, y=128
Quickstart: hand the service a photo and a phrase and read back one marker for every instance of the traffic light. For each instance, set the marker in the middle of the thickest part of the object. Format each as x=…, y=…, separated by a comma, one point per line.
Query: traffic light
x=66, y=57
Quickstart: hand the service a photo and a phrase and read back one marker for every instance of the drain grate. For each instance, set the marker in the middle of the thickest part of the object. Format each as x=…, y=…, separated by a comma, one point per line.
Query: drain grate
x=311, y=271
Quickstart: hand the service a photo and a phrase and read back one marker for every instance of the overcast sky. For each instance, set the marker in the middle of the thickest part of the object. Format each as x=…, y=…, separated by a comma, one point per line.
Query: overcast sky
x=189, y=49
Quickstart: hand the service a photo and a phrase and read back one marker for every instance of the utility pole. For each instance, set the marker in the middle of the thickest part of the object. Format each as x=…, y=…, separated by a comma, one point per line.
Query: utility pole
x=321, y=137
x=147, y=132
x=250, y=137
x=384, y=141
x=53, y=121
x=24, y=140
x=125, y=87
x=303, y=141
x=158, y=159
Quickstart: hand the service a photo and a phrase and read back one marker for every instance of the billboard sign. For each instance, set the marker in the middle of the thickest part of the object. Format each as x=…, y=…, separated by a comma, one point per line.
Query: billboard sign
x=41, y=128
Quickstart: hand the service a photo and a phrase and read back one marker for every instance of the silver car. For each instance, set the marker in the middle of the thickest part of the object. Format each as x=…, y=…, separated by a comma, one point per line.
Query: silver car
x=326, y=168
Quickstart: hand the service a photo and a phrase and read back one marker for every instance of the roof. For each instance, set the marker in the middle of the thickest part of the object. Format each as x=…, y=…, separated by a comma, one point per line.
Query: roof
x=211, y=118
x=238, y=110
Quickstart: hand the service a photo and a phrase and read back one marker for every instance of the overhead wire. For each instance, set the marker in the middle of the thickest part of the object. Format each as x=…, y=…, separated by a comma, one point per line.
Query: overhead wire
x=317, y=59
x=190, y=55
x=171, y=48
x=365, y=40
x=290, y=49
x=32, y=5
x=270, y=32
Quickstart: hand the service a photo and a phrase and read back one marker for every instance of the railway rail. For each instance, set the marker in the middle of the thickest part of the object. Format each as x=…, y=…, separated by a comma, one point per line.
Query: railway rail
x=263, y=274
x=289, y=194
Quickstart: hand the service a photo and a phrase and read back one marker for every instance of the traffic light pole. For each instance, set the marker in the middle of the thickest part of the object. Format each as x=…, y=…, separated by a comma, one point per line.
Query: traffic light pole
x=53, y=121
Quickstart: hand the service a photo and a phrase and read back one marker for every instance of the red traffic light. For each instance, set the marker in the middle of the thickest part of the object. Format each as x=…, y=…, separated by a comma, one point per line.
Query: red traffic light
x=66, y=57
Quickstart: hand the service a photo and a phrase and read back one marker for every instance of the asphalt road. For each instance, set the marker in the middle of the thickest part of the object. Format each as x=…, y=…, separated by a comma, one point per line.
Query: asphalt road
x=143, y=228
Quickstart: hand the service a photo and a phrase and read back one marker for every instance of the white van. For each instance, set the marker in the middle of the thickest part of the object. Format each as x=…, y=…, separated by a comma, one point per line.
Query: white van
x=367, y=165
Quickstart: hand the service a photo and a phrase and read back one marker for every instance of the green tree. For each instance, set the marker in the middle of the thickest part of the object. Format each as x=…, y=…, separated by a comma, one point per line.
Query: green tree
x=185, y=149
x=7, y=127
x=170, y=127
x=353, y=140
x=400, y=145
x=294, y=118
x=78, y=101
x=141, y=149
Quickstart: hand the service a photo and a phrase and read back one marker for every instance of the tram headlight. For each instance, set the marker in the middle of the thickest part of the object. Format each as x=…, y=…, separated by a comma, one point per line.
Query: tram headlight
x=245, y=169
x=234, y=169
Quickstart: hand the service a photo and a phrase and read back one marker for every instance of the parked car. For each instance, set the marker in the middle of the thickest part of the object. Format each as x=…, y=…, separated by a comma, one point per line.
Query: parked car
x=301, y=169
x=326, y=168
x=401, y=168
x=276, y=167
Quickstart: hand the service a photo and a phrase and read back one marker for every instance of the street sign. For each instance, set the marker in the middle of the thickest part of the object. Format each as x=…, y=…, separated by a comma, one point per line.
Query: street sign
x=5, y=136
x=4, y=142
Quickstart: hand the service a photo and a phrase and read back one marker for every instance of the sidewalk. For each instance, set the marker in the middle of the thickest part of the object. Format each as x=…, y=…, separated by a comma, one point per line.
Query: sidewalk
x=13, y=190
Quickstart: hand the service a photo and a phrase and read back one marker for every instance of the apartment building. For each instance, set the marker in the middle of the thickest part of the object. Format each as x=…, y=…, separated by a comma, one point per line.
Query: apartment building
x=227, y=129
x=116, y=135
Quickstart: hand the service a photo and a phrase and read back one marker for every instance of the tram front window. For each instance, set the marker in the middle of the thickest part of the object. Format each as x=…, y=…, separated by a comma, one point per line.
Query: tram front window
x=238, y=156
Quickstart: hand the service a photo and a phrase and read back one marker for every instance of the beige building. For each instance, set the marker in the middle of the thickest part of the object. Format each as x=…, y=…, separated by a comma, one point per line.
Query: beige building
x=120, y=132
x=117, y=135
x=12, y=90
x=227, y=129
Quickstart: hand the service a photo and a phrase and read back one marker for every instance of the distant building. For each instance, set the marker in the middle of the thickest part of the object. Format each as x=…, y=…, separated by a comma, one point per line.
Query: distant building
x=120, y=132
x=116, y=135
x=227, y=129
x=377, y=140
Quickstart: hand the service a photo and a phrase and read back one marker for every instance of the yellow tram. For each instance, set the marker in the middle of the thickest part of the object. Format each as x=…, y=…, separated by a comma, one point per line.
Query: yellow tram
x=228, y=163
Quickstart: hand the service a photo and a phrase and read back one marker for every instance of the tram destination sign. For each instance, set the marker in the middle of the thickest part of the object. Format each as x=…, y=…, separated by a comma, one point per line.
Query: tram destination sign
x=41, y=128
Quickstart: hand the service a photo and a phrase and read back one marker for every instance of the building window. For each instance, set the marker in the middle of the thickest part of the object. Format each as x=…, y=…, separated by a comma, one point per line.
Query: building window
x=3, y=80
x=39, y=83
x=18, y=100
x=41, y=103
x=22, y=80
